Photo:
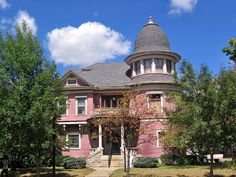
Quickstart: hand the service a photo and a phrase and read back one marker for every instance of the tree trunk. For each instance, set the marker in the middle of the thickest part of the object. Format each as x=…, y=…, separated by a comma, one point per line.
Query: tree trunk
x=37, y=162
x=54, y=149
x=128, y=165
x=211, y=165
x=233, y=153
x=125, y=165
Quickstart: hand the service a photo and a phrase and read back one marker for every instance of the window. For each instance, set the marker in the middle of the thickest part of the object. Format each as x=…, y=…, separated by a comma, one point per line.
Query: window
x=81, y=106
x=72, y=82
x=155, y=102
x=158, y=65
x=147, y=65
x=168, y=66
x=160, y=134
x=73, y=140
x=137, y=66
x=111, y=101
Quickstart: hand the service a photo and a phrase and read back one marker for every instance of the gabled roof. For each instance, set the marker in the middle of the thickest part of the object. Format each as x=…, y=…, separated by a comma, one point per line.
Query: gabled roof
x=71, y=72
x=106, y=74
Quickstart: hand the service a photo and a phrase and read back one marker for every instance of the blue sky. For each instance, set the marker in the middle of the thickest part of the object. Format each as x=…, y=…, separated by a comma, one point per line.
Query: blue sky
x=77, y=33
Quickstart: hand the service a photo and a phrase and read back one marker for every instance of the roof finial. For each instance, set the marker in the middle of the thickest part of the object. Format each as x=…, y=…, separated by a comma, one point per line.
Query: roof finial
x=150, y=21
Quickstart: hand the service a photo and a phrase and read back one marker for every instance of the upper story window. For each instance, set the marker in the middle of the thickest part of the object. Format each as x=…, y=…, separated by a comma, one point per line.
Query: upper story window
x=147, y=63
x=72, y=81
x=110, y=101
x=168, y=66
x=81, y=105
x=158, y=65
x=137, y=66
x=155, y=102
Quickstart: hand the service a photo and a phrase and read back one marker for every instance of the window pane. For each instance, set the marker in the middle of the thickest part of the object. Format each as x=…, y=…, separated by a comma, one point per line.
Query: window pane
x=147, y=65
x=81, y=110
x=114, y=102
x=159, y=65
x=137, y=67
x=155, y=102
x=168, y=66
x=107, y=103
x=71, y=81
x=81, y=101
x=73, y=141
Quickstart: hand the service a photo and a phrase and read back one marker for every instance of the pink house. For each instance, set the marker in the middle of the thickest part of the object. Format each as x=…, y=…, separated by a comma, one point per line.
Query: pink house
x=151, y=66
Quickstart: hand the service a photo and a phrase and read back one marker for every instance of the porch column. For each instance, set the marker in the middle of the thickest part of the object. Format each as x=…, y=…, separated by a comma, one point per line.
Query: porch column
x=100, y=136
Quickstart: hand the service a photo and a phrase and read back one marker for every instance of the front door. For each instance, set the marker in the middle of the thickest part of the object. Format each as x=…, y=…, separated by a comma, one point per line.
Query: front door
x=111, y=143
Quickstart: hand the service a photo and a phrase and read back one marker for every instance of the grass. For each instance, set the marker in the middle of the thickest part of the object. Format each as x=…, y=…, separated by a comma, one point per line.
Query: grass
x=176, y=171
x=47, y=172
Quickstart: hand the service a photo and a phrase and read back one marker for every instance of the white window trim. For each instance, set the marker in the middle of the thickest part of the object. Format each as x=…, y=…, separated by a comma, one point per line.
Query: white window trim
x=74, y=133
x=76, y=105
x=158, y=138
x=72, y=79
x=156, y=92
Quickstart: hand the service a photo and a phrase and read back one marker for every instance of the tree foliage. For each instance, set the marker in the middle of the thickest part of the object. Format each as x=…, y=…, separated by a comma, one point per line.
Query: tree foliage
x=231, y=50
x=204, y=118
x=29, y=93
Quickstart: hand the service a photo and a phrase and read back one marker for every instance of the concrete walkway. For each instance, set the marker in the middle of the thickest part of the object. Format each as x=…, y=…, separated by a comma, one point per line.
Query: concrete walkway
x=102, y=172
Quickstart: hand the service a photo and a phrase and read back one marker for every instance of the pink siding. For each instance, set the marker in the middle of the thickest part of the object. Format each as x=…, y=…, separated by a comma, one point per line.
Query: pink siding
x=150, y=148
x=72, y=108
x=85, y=144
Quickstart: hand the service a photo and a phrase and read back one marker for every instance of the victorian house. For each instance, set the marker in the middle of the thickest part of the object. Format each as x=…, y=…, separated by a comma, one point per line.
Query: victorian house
x=151, y=66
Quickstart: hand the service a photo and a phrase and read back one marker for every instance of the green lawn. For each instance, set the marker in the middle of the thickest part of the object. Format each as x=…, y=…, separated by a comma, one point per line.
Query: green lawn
x=47, y=172
x=176, y=171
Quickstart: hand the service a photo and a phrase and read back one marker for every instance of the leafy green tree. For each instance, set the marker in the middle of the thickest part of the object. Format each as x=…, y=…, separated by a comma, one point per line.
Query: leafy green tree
x=29, y=92
x=231, y=50
x=197, y=123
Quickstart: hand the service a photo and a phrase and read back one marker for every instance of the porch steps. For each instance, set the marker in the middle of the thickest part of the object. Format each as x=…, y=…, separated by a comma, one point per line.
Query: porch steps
x=116, y=161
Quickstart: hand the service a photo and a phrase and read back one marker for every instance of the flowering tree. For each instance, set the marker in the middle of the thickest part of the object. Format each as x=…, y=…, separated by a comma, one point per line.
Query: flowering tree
x=133, y=116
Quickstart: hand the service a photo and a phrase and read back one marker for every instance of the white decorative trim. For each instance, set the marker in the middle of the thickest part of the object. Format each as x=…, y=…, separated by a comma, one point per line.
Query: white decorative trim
x=71, y=123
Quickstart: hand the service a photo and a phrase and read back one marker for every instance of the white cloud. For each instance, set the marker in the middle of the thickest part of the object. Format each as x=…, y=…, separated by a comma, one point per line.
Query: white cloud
x=4, y=4
x=23, y=16
x=89, y=43
x=180, y=6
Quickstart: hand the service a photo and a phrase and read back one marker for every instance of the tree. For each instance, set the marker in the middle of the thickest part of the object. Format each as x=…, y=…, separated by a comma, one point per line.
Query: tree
x=227, y=107
x=231, y=50
x=197, y=123
x=132, y=109
x=29, y=92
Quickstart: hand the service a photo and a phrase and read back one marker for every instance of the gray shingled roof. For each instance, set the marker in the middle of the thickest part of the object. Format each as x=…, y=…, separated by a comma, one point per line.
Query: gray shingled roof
x=106, y=74
x=151, y=38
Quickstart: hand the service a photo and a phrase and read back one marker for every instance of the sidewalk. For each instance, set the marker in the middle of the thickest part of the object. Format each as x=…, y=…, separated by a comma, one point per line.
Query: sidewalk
x=102, y=172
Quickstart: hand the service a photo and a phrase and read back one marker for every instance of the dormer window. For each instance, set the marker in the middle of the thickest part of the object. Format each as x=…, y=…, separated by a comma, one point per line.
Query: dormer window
x=147, y=65
x=72, y=81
